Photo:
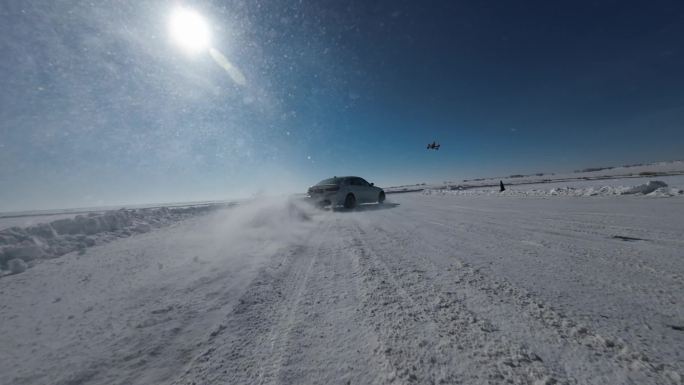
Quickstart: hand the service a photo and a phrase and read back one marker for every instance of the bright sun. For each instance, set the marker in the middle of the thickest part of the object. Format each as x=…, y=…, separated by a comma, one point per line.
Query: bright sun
x=189, y=30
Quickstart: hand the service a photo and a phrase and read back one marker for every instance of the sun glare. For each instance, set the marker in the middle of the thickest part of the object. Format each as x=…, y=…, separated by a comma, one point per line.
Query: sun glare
x=189, y=30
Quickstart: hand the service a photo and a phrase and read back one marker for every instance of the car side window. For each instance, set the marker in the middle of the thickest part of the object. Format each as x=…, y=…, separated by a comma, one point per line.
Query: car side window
x=358, y=182
x=362, y=182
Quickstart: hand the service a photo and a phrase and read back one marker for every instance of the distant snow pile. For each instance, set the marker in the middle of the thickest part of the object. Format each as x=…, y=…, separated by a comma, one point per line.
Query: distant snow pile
x=647, y=188
x=22, y=246
x=652, y=188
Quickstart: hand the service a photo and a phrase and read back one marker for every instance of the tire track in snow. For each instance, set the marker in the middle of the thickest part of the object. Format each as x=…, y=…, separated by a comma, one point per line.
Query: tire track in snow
x=618, y=266
x=623, y=267
x=578, y=235
x=396, y=318
x=456, y=346
x=635, y=366
x=293, y=325
x=584, y=253
x=329, y=341
x=277, y=339
x=238, y=350
x=594, y=231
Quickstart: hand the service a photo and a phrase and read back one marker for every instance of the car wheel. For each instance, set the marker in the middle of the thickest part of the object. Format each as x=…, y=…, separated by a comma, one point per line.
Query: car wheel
x=381, y=197
x=350, y=201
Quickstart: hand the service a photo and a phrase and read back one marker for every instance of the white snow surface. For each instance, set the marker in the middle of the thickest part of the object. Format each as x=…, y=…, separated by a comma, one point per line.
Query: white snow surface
x=601, y=175
x=32, y=219
x=631, y=186
x=61, y=236
x=425, y=289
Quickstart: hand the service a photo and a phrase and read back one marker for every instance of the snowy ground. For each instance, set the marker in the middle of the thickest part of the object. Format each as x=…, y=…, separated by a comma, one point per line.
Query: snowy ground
x=425, y=289
x=27, y=246
x=600, y=176
x=661, y=187
x=30, y=218
x=19, y=220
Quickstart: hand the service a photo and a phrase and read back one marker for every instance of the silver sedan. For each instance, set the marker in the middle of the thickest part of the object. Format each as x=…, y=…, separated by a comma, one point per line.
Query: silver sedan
x=347, y=191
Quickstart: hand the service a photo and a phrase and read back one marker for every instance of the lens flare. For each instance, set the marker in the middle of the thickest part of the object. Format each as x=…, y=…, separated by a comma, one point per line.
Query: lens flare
x=224, y=63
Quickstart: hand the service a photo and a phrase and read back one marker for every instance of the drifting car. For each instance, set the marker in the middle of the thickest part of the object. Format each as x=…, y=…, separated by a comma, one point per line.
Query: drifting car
x=347, y=191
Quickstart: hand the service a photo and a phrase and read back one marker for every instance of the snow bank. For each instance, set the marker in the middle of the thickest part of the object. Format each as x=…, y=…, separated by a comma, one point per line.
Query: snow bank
x=646, y=188
x=652, y=188
x=664, y=170
x=16, y=266
x=62, y=236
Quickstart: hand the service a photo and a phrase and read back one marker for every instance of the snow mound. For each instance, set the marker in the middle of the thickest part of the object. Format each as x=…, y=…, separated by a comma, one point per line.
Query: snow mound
x=665, y=192
x=62, y=236
x=646, y=188
x=16, y=266
x=652, y=189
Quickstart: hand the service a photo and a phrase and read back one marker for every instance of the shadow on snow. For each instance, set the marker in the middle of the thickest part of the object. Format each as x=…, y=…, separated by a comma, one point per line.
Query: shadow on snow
x=367, y=207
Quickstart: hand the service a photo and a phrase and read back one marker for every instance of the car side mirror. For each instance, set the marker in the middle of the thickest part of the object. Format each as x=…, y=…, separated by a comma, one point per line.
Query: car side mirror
x=372, y=184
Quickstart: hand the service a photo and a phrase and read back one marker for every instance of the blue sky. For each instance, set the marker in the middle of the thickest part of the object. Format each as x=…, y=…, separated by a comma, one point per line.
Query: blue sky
x=98, y=106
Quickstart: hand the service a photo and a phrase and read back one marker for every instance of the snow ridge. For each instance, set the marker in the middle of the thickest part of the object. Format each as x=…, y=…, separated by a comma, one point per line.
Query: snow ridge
x=651, y=189
x=22, y=247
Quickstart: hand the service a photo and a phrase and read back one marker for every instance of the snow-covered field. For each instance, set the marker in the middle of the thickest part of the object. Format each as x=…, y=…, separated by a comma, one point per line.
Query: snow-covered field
x=661, y=187
x=429, y=288
x=599, y=176
x=30, y=218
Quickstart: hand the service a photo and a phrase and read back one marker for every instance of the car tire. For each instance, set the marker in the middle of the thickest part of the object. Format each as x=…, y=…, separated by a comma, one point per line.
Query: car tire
x=350, y=201
x=381, y=197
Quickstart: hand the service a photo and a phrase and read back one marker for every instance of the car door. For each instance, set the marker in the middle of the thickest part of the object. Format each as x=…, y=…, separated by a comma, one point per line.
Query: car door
x=365, y=190
x=356, y=188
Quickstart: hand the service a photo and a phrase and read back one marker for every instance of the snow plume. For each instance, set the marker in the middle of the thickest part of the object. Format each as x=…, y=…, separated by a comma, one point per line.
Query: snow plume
x=272, y=223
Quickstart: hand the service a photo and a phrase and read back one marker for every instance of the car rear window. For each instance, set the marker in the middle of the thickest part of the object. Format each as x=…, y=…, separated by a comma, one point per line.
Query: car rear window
x=329, y=181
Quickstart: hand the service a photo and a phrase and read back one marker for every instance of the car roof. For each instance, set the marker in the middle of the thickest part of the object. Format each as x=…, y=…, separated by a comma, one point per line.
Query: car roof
x=340, y=178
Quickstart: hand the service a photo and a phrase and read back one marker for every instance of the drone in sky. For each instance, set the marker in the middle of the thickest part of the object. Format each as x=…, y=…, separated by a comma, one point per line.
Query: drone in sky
x=433, y=146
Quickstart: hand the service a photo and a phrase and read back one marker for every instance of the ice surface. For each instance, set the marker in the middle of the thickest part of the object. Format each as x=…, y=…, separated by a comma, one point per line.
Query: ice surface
x=572, y=281
x=426, y=289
